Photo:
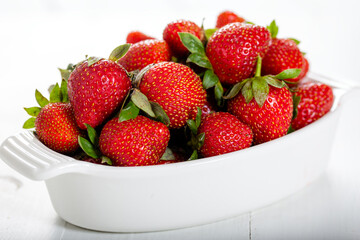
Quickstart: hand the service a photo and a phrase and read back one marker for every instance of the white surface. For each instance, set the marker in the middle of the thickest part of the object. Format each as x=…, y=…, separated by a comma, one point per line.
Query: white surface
x=36, y=37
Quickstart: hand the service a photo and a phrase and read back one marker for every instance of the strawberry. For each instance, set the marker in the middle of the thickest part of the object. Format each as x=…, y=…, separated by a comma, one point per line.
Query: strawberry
x=283, y=53
x=268, y=122
x=265, y=104
x=135, y=142
x=233, y=49
x=136, y=36
x=96, y=89
x=55, y=126
x=170, y=35
x=316, y=99
x=224, y=133
x=176, y=88
x=304, y=69
x=227, y=17
x=54, y=120
x=144, y=53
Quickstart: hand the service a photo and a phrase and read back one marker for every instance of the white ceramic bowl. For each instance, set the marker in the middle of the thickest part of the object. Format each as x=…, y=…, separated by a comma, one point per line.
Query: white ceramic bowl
x=162, y=197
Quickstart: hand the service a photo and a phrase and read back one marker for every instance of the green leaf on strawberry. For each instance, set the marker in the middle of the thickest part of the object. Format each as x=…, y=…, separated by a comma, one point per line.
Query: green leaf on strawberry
x=55, y=94
x=130, y=111
x=93, y=60
x=40, y=99
x=160, y=114
x=64, y=91
x=119, y=52
x=200, y=60
x=273, y=28
x=89, y=148
x=33, y=111
x=210, y=79
x=288, y=73
x=209, y=32
x=260, y=89
x=192, y=43
x=142, y=102
x=30, y=123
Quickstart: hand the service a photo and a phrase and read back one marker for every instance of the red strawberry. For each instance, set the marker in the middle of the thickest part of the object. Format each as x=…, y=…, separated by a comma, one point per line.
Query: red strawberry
x=316, y=99
x=227, y=17
x=224, y=133
x=304, y=69
x=233, y=50
x=282, y=54
x=55, y=126
x=96, y=91
x=176, y=88
x=144, y=53
x=268, y=122
x=170, y=35
x=136, y=36
x=135, y=142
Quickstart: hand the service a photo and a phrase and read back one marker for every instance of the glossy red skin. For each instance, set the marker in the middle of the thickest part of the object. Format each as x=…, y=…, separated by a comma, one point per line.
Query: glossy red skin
x=304, y=71
x=55, y=126
x=170, y=35
x=224, y=133
x=135, y=142
x=136, y=36
x=97, y=91
x=316, y=100
x=233, y=50
x=283, y=54
x=144, y=53
x=268, y=122
x=176, y=88
x=227, y=17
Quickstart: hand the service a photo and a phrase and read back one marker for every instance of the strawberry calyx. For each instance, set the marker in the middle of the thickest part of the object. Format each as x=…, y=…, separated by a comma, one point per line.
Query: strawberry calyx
x=257, y=87
x=198, y=56
x=91, y=146
x=273, y=28
x=138, y=101
x=196, y=140
x=58, y=93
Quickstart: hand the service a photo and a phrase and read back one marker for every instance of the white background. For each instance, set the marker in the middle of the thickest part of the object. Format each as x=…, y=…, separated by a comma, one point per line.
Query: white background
x=37, y=37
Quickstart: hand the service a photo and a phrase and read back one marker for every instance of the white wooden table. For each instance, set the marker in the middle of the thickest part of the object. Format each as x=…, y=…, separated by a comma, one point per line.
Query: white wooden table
x=37, y=37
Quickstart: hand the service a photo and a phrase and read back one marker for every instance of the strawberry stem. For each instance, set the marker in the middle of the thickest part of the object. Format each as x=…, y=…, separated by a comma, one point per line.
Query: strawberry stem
x=258, y=67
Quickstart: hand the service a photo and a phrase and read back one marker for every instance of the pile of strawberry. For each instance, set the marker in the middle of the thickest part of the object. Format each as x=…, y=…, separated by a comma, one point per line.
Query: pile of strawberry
x=195, y=93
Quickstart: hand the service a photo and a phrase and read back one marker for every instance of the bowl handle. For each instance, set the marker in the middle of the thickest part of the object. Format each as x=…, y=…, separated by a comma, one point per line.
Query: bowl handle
x=27, y=155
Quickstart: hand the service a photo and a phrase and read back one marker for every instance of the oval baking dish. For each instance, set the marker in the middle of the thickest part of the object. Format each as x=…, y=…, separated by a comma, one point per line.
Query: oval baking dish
x=162, y=197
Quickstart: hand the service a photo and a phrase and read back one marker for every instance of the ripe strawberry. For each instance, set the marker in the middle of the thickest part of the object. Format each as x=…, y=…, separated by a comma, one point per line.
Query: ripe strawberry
x=144, y=53
x=233, y=50
x=135, y=142
x=304, y=69
x=136, y=36
x=224, y=133
x=170, y=35
x=176, y=88
x=268, y=122
x=55, y=126
x=282, y=54
x=316, y=99
x=97, y=90
x=227, y=17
